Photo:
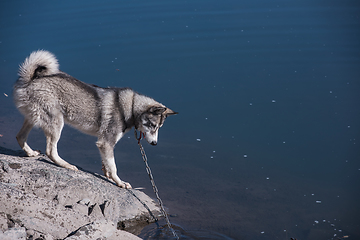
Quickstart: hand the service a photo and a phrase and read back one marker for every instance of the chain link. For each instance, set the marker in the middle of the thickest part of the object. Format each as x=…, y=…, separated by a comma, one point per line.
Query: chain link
x=148, y=170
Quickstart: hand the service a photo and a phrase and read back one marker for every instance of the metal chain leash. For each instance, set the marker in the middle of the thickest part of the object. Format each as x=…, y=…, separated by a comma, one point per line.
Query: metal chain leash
x=148, y=170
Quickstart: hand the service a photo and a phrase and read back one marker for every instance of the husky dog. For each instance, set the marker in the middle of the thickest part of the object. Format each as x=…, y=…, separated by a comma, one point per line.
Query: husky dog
x=48, y=98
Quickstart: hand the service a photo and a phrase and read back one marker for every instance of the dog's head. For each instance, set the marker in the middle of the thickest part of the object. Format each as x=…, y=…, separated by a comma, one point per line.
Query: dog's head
x=152, y=120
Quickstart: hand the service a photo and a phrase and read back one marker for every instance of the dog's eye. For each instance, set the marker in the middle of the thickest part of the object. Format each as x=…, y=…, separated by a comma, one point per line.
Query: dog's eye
x=150, y=124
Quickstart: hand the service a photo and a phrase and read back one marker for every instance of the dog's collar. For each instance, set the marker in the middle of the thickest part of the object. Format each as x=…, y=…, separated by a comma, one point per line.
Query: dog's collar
x=142, y=135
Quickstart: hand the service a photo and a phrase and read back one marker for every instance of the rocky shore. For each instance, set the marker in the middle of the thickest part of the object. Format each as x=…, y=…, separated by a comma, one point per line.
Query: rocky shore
x=40, y=200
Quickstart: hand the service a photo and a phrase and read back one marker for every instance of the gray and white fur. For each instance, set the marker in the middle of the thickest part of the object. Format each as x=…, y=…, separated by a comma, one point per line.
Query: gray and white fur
x=48, y=98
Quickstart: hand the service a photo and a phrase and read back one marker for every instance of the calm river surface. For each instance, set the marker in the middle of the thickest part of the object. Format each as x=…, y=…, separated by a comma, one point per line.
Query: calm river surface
x=266, y=143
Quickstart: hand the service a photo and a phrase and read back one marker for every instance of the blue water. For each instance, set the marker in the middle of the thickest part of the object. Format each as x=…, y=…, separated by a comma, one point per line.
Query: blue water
x=268, y=95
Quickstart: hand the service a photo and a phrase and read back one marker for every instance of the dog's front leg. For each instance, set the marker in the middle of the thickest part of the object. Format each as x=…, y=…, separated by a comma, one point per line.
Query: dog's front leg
x=108, y=163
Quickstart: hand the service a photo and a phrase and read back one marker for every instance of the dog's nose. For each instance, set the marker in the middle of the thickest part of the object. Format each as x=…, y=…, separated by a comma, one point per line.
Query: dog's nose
x=153, y=143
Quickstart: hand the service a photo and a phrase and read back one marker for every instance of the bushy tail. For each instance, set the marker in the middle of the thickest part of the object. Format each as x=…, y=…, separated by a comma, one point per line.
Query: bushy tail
x=39, y=63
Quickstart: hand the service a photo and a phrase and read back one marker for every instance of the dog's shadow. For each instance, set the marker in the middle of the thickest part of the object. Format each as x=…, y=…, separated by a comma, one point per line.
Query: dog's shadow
x=10, y=152
x=43, y=158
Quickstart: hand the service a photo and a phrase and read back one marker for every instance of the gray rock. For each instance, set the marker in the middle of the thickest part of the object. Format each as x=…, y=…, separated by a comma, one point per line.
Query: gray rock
x=3, y=222
x=85, y=201
x=13, y=234
x=54, y=202
x=102, y=229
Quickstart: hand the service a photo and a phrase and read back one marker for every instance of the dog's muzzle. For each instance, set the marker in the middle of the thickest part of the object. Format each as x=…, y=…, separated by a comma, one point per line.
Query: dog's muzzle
x=154, y=143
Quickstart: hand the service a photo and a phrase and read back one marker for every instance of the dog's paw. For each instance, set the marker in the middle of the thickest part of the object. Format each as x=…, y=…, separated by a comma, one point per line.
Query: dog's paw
x=71, y=167
x=34, y=153
x=125, y=185
x=128, y=186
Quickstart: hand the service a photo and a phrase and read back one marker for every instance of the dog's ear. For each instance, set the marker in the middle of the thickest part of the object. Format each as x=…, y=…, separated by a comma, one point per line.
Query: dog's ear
x=170, y=112
x=157, y=110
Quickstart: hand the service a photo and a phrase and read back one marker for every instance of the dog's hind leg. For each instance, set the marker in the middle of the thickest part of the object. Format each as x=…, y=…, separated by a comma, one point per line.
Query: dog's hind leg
x=52, y=134
x=22, y=137
x=108, y=163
